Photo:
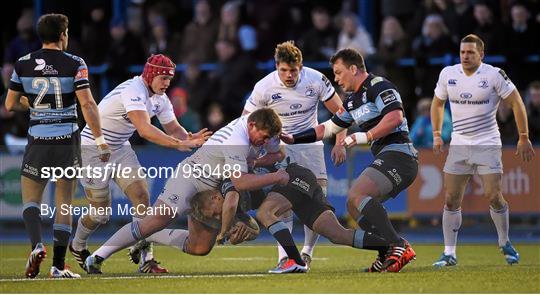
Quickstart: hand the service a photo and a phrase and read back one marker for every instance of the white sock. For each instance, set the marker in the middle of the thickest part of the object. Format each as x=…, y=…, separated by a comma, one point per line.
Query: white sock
x=500, y=219
x=170, y=237
x=81, y=236
x=120, y=240
x=289, y=223
x=146, y=254
x=310, y=239
x=451, y=222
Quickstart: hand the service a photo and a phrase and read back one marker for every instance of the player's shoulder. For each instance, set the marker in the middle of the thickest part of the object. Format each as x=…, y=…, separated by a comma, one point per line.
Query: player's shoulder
x=75, y=58
x=451, y=70
x=312, y=75
x=378, y=84
x=267, y=81
x=494, y=71
x=236, y=131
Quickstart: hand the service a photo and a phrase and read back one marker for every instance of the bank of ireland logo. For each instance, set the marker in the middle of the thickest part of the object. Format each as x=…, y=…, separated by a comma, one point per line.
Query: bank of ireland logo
x=40, y=64
x=295, y=106
x=465, y=95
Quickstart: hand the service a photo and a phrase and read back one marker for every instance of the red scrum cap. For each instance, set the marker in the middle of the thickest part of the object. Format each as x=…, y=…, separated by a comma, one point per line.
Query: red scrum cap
x=156, y=65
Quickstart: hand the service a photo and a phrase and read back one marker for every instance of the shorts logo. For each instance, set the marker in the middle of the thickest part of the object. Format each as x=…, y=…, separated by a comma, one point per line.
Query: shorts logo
x=395, y=176
x=364, y=97
x=465, y=95
x=295, y=106
x=350, y=105
x=483, y=84
x=301, y=184
x=378, y=162
x=174, y=199
x=452, y=82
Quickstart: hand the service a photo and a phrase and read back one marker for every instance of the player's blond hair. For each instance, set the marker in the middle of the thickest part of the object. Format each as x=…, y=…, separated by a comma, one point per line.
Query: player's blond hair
x=288, y=53
x=266, y=119
x=472, y=38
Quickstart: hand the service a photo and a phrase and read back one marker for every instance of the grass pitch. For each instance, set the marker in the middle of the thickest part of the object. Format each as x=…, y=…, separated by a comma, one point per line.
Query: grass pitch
x=242, y=269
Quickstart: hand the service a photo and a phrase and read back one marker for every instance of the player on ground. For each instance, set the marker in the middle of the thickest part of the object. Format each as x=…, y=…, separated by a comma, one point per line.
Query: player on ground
x=304, y=196
x=294, y=92
x=475, y=90
x=50, y=81
x=224, y=155
x=126, y=109
x=376, y=107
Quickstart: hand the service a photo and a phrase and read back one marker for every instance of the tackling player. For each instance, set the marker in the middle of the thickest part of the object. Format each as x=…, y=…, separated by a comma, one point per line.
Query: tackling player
x=52, y=81
x=475, y=90
x=126, y=109
x=375, y=105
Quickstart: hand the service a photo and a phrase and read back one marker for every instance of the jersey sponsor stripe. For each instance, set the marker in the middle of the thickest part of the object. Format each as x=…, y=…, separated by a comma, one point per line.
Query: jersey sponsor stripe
x=214, y=139
x=473, y=117
x=473, y=123
x=221, y=135
x=484, y=129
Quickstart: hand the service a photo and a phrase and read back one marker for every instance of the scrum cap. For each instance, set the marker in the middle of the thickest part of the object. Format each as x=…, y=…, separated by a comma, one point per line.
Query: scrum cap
x=156, y=65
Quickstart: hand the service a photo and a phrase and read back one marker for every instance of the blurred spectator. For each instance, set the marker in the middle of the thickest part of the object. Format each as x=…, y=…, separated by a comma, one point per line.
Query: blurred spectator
x=161, y=41
x=200, y=35
x=188, y=118
x=196, y=84
x=425, y=8
x=25, y=42
x=95, y=30
x=233, y=78
x=231, y=28
x=215, y=118
x=434, y=42
x=533, y=109
x=507, y=124
x=402, y=10
x=487, y=28
x=394, y=45
x=354, y=35
x=319, y=43
x=124, y=50
x=459, y=19
x=421, y=130
x=522, y=37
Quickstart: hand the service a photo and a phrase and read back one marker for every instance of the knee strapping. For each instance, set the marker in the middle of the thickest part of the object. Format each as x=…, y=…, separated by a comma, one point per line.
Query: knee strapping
x=100, y=195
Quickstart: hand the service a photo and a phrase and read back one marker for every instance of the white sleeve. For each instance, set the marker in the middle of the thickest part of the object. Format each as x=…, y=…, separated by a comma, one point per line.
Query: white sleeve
x=166, y=114
x=326, y=89
x=503, y=86
x=133, y=101
x=440, y=89
x=236, y=155
x=256, y=99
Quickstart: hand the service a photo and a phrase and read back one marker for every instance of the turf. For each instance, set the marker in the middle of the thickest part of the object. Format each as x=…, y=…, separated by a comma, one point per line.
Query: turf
x=242, y=269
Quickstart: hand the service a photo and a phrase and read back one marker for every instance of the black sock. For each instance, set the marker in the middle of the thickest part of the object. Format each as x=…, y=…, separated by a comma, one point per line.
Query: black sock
x=369, y=241
x=377, y=216
x=281, y=233
x=367, y=226
x=32, y=223
x=61, y=233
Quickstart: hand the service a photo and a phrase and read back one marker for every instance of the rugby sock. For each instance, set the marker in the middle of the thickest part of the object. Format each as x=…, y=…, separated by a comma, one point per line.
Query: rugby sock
x=451, y=222
x=368, y=241
x=147, y=254
x=289, y=223
x=281, y=233
x=376, y=215
x=310, y=239
x=500, y=218
x=124, y=237
x=61, y=234
x=32, y=222
x=366, y=225
x=80, y=238
x=170, y=237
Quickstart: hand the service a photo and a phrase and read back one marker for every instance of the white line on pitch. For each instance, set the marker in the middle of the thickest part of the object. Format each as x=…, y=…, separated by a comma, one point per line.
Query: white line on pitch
x=141, y=277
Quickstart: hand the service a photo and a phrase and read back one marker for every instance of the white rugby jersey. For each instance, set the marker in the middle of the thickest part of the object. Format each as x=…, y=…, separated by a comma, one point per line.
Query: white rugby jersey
x=296, y=106
x=132, y=95
x=474, y=101
x=229, y=145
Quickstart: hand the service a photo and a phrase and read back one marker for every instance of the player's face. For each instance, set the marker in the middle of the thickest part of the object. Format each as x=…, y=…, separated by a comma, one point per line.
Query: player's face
x=213, y=208
x=470, y=57
x=288, y=74
x=160, y=84
x=257, y=137
x=343, y=75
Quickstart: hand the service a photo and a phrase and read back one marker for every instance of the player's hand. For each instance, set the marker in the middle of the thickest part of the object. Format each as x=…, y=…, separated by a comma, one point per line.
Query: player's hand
x=203, y=133
x=104, y=152
x=438, y=145
x=525, y=150
x=339, y=154
x=283, y=177
x=188, y=145
x=222, y=238
x=286, y=138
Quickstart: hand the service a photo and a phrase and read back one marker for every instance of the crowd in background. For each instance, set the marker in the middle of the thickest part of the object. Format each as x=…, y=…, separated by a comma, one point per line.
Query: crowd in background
x=236, y=35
